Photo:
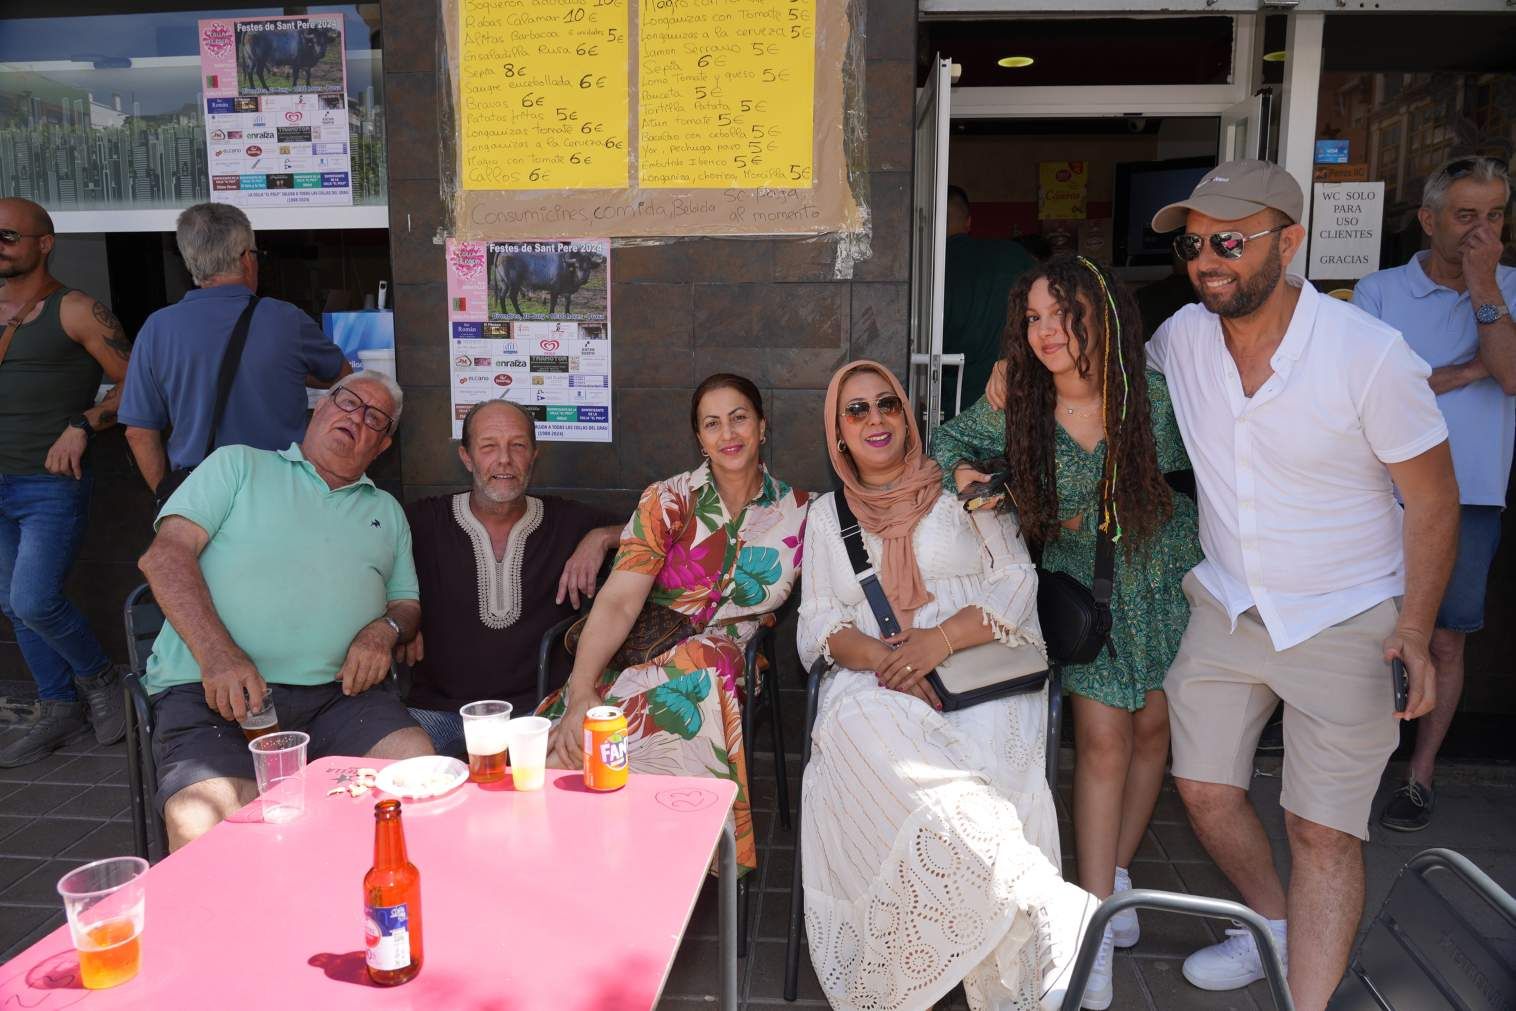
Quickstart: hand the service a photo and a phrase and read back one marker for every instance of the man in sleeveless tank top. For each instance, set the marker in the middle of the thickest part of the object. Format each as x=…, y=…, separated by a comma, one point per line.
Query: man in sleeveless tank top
x=55, y=345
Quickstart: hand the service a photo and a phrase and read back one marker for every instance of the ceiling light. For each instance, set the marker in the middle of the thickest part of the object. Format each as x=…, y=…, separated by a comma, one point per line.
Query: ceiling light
x=1277, y=56
x=1014, y=62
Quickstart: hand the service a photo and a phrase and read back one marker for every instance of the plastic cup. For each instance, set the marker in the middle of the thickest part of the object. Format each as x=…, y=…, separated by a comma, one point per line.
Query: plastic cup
x=486, y=730
x=106, y=902
x=529, y=751
x=279, y=763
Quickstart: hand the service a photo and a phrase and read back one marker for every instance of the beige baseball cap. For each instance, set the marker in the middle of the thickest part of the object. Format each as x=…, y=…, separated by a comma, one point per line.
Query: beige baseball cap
x=1235, y=190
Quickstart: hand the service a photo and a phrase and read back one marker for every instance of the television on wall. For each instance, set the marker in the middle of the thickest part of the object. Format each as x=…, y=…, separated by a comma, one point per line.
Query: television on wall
x=1142, y=188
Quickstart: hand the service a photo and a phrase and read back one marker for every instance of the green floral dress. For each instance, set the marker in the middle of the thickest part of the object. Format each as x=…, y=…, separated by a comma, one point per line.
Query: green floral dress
x=1148, y=610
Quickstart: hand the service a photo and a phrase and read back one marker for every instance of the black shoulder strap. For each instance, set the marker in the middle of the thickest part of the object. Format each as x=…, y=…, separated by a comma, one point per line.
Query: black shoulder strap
x=1104, y=585
x=230, y=359
x=873, y=592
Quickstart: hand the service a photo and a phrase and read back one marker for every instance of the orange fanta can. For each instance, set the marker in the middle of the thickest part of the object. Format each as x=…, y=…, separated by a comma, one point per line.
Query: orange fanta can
x=605, y=748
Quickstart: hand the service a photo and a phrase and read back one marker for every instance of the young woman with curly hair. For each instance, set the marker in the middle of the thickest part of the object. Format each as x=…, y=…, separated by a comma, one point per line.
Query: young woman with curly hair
x=1082, y=412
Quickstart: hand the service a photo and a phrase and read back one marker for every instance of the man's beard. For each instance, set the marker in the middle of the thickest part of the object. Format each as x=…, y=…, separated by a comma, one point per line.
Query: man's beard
x=1249, y=294
x=484, y=490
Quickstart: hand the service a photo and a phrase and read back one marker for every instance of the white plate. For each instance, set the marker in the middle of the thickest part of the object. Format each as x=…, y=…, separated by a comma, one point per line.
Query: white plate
x=422, y=778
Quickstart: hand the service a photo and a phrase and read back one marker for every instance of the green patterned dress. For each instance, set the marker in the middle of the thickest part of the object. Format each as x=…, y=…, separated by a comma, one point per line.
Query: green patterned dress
x=1148, y=610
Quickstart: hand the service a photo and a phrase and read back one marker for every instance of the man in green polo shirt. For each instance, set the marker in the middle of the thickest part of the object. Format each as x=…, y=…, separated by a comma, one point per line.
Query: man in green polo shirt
x=979, y=275
x=286, y=574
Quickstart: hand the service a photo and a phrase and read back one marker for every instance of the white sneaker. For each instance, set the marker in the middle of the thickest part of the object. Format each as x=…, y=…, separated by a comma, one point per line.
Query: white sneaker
x=1234, y=963
x=1125, y=929
x=1100, y=990
x=1061, y=917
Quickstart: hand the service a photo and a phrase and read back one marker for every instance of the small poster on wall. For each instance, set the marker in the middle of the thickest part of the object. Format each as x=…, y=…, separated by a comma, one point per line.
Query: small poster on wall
x=276, y=111
x=1346, y=226
x=1062, y=188
x=530, y=322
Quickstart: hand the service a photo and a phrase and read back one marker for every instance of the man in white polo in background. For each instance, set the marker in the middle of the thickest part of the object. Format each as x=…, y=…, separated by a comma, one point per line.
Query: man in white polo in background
x=1298, y=412
x=1452, y=304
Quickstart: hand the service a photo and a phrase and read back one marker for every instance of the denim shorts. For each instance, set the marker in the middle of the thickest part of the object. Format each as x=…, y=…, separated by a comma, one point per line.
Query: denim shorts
x=191, y=742
x=1478, y=536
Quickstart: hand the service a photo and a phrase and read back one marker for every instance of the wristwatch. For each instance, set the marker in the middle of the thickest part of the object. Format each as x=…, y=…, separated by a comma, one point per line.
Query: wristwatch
x=82, y=423
x=392, y=623
x=1489, y=313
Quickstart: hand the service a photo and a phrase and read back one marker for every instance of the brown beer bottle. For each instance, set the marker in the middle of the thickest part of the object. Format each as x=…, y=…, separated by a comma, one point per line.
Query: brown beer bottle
x=392, y=903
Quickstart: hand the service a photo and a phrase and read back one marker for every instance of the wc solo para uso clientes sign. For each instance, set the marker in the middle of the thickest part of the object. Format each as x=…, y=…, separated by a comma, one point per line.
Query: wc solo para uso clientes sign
x=1347, y=223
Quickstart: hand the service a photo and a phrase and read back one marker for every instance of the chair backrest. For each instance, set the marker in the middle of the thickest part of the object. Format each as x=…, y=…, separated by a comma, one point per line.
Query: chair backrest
x=144, y=619
x=1429, y=946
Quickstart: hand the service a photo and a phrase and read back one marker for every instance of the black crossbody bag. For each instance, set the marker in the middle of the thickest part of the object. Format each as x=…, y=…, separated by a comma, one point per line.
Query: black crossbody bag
x=1076, y=619
x=230, y=359
x=970, y=676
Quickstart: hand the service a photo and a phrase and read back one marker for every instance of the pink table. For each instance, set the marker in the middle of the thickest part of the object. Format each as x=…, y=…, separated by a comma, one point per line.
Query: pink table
x=561, y=900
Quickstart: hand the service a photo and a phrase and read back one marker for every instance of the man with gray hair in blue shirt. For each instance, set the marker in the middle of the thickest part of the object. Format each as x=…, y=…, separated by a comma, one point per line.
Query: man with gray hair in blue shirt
x=1452, y=303
x=176, y=361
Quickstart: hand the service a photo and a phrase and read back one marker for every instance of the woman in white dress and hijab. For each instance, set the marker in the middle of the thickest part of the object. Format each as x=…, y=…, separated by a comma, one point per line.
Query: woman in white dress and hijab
x=929, y=839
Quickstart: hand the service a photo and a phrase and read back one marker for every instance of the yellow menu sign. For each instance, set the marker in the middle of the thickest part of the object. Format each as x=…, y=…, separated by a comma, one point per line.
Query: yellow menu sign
x=726, y=93
x=544, y=94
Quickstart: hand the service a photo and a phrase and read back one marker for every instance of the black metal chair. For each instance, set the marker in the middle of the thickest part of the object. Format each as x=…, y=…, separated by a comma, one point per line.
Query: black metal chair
x=142, y=618
x=797, y=897
x=1423, y=950
x=551, y=653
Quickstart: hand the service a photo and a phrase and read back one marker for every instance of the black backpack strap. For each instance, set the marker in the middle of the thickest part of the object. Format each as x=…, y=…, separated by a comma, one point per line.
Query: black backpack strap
x=873, y=592
x=230, y=359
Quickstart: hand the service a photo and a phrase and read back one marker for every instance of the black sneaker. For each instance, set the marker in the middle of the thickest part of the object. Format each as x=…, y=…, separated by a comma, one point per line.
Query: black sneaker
x=107, y=707
x=57, y=723
x=1409, y=809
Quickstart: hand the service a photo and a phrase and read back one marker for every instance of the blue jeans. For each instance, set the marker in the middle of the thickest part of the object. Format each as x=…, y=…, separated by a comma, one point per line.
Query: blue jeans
x=1462, y=607
x=42, y=518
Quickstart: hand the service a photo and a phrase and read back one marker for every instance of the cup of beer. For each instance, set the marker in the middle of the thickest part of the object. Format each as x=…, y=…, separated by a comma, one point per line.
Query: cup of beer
x=279, y=764
x=106, y=902
x=263, y=720
x=529, y=751
x=486, y=735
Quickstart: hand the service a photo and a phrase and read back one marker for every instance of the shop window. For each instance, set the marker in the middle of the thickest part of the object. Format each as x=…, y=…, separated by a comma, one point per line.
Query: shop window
x=104, y=113
x=1442, y=87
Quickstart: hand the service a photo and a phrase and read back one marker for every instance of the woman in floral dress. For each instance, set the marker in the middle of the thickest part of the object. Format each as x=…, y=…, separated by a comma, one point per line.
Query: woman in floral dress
x=720, y=544
x=1075, y=386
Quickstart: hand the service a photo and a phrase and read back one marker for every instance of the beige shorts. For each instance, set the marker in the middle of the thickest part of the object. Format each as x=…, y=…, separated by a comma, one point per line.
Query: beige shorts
x=1339, y=703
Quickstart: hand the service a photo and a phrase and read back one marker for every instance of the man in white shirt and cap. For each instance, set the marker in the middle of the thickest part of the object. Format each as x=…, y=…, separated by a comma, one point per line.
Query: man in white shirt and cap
x=1301, y=414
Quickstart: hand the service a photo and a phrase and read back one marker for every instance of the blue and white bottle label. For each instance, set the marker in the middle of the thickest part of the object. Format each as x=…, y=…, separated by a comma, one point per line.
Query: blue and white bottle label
x=387, y=934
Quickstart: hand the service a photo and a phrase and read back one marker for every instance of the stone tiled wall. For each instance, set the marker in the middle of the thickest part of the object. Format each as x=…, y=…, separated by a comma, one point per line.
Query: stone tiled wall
x=768, y=309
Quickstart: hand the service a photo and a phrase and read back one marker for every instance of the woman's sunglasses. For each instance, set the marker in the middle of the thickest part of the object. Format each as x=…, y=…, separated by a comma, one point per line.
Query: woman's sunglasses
x=857, y=411
x=1227, y=245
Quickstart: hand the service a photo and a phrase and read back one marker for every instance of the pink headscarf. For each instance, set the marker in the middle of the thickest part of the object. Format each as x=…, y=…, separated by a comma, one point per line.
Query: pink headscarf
x=891, y=515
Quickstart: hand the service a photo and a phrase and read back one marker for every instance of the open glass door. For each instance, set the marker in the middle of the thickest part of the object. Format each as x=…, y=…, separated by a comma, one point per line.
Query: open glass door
x=928, y=225
x=1245, y=128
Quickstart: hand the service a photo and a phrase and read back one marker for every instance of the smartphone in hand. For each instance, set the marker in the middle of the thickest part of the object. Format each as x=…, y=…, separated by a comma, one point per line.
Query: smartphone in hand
x=1402, y=684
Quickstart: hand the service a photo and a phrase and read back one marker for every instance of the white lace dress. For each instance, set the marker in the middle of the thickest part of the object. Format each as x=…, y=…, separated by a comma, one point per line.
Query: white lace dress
x=917, y=825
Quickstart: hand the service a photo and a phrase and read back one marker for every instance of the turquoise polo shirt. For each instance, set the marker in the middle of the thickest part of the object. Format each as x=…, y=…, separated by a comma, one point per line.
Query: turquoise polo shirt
x=1439, y=324
x=295, y=568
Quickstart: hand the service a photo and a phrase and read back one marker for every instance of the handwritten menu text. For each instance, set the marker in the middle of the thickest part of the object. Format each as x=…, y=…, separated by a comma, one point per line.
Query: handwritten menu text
x=545, y=94
x=726, y=93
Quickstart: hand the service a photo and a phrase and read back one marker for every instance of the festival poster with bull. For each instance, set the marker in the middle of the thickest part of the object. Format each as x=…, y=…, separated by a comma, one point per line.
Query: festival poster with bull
x=531, y=322
x=276, y=117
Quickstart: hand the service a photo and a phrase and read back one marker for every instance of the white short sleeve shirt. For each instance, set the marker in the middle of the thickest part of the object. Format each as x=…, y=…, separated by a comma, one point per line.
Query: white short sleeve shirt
x=1297, y=513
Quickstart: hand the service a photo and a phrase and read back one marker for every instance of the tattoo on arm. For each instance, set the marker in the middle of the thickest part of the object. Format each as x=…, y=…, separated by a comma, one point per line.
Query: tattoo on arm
x=116, y=334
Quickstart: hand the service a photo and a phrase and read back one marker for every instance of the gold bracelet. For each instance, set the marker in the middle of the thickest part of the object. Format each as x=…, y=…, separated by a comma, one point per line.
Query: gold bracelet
x=946, y=640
